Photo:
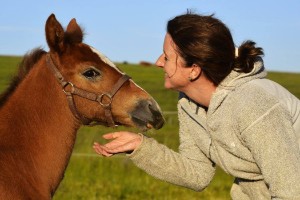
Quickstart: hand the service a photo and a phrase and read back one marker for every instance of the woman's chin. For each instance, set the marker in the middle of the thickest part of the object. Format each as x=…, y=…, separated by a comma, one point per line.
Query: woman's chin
x=168, y=85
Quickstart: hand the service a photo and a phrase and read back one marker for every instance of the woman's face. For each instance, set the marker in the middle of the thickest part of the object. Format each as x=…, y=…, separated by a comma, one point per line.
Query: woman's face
x=176, y=74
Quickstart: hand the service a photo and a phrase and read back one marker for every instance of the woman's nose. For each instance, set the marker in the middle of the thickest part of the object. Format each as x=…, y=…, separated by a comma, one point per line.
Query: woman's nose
x=159, y=62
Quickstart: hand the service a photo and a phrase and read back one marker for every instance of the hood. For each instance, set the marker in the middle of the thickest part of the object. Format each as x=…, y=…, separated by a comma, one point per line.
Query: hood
x=234, y=80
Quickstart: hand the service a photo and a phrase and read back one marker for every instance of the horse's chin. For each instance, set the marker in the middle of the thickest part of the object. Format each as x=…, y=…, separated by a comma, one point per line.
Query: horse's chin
x=144, y=125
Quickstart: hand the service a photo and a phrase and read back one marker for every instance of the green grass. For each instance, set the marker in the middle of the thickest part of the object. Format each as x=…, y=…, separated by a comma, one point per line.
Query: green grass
x=89, y=176
x=290, y=81
x=8, y=66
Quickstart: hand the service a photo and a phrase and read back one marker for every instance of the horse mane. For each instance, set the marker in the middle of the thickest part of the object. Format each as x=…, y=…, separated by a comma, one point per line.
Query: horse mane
x=25, y=66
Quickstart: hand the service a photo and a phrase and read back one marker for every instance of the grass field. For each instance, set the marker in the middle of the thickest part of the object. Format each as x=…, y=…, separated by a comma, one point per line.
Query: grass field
x=89, y=176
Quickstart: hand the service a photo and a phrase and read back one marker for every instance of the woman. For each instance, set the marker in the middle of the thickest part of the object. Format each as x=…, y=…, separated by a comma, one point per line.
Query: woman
x=230, y=115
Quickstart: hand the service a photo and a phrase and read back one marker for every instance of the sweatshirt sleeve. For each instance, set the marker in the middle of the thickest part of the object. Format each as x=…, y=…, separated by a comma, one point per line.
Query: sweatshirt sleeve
x=189, y=168
x=271, y=139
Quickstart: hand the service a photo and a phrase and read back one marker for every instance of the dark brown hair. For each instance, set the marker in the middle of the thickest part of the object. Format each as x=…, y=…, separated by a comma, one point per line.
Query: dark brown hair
x=207, y=42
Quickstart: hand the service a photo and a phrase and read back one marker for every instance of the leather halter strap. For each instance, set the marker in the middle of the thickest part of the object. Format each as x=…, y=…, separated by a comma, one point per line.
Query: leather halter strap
x=104, y=99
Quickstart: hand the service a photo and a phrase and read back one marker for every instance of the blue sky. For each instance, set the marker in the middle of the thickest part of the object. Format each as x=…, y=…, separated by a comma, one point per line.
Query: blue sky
x=133, y=30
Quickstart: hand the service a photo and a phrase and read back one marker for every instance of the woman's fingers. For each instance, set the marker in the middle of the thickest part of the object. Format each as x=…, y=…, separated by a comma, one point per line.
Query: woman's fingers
x=101, y=150
x=104, y=151
x=121, y=142
x=120, y=134
x=110, y=136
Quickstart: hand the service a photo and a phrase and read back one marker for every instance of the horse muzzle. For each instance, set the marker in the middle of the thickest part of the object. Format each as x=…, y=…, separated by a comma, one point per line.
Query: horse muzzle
x=147, y=114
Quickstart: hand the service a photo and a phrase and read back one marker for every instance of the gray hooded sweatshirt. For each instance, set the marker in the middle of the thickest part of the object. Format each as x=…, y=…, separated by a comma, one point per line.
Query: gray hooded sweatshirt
x=251, y=130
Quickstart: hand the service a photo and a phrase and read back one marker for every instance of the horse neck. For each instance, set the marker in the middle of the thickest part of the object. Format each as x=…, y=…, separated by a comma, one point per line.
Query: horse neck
x=40, y=127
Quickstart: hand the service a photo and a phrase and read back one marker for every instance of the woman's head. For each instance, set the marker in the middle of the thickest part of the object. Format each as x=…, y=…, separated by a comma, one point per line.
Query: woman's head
x=206, y=42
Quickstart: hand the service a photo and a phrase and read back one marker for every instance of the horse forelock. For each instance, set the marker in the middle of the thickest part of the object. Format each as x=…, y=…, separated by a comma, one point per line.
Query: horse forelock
x=24, y=67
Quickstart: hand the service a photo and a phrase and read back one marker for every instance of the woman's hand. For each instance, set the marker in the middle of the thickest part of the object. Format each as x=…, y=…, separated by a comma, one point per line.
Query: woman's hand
x=122, y=142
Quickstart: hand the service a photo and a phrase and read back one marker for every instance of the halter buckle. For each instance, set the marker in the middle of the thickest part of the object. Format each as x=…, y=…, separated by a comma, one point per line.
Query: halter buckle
x=104, y=99
x=72, y=88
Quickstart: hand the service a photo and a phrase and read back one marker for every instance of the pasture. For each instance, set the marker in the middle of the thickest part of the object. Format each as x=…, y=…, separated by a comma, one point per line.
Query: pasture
x=90, y=177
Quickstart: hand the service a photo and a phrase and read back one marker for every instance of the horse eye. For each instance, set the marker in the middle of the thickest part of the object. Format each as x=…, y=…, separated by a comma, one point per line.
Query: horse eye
x=91, y=74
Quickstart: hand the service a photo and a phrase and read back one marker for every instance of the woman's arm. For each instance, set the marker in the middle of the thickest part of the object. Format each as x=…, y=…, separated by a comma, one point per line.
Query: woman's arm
x=189, y=168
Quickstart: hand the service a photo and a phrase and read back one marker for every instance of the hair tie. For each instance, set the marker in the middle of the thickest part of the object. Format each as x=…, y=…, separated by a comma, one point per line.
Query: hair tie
x=236, y=53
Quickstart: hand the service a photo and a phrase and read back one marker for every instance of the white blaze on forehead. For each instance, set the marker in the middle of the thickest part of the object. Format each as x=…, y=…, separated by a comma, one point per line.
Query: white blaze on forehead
x=111, y=64
x=105, y=59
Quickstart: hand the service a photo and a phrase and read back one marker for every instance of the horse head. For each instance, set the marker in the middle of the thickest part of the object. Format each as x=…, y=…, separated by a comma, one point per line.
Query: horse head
x=97, y=90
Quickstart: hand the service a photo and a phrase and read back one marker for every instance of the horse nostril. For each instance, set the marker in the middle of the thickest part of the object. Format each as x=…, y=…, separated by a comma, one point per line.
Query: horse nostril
x=158, y=118
x=150, y=106
x=154, y=108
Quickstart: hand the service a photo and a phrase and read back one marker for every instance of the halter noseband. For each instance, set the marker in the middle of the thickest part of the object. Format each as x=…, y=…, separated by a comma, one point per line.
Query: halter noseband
x=104, y=99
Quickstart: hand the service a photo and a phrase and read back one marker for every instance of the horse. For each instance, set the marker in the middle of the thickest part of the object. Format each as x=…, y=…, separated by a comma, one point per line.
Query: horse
x=53, y=94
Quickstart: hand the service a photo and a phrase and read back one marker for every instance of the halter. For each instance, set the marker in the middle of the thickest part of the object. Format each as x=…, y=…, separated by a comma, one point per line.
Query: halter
x=104, y=99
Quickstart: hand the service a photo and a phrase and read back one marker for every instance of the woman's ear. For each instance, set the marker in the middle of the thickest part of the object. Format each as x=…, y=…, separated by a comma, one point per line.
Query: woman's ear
x=195, y=72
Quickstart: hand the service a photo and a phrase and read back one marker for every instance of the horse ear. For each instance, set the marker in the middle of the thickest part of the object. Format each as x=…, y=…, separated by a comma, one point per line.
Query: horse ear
x=54, y=34
x=74, y=33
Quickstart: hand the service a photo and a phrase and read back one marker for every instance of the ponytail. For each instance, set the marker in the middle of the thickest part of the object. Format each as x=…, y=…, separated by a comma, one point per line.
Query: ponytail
x=246, y=55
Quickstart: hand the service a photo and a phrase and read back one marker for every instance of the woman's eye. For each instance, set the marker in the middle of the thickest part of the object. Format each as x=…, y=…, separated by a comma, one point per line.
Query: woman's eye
x=165, y=58
x=91, y=74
